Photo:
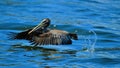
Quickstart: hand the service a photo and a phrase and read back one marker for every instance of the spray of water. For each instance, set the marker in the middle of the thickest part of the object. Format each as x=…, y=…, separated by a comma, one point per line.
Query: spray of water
x=91, y=43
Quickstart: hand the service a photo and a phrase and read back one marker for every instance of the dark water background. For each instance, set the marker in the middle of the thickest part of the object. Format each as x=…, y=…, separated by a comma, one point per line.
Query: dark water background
x=79, y=16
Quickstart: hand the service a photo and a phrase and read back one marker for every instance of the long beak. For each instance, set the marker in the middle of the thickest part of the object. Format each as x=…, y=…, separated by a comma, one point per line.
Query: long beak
x=36, y=28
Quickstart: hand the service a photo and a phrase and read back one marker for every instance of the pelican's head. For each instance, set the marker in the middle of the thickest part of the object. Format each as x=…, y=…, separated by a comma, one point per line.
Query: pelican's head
x=43, y=25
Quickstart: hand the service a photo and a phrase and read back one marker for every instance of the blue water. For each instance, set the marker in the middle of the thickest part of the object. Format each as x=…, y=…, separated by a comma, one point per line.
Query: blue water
x=97, y=23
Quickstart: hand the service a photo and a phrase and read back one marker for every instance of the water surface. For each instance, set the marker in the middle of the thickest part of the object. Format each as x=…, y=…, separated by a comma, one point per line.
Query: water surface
x=92, y=20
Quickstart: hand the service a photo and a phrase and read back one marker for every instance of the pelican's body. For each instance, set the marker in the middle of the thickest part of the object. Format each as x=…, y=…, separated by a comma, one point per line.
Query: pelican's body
x=42, y=35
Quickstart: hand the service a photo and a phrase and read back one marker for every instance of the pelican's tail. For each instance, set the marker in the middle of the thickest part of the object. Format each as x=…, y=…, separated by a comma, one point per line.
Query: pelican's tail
x=73, y=36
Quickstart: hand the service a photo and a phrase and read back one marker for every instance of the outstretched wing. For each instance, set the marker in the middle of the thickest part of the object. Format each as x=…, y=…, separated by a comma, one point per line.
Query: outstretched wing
x=24, y=35
x=21, y=35
x=51, y=39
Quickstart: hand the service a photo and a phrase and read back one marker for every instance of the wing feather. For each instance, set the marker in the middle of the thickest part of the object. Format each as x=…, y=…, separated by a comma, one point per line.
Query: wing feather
x=51, y=39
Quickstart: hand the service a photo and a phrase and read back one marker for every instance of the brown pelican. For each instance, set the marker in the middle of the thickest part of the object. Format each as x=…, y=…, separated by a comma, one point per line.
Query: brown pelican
x=42, y=35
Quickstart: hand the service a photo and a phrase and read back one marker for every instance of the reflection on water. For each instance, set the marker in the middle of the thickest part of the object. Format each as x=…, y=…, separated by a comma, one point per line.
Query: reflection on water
x=80, y=16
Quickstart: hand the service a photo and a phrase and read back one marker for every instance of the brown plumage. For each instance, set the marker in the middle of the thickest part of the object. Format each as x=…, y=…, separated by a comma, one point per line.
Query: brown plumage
x=42, y=35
